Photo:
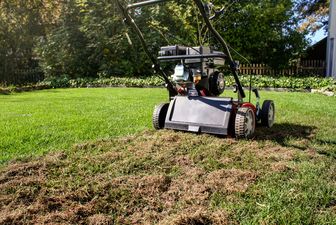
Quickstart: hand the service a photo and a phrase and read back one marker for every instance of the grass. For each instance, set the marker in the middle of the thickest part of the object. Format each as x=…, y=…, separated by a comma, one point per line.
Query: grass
x=38, y=122
x=286, y=175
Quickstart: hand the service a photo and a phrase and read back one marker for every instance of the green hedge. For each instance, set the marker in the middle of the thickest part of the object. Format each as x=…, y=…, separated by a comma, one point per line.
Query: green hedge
x=257, y=81
x=287, y=82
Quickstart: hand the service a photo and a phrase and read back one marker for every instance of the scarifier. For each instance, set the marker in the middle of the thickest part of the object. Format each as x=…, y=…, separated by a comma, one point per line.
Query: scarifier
x=197, y=83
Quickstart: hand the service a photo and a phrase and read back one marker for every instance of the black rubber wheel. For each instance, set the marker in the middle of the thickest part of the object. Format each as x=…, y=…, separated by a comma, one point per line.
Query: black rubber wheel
x=267, y=114
x=216, y=83
x=159, y=115
x=245, y=123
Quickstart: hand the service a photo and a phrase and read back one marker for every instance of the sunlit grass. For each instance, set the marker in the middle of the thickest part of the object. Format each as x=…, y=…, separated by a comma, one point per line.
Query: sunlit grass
x=37, y=122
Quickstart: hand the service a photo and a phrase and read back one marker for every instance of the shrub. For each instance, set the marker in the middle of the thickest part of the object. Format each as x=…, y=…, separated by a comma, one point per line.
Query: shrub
x=63, y=81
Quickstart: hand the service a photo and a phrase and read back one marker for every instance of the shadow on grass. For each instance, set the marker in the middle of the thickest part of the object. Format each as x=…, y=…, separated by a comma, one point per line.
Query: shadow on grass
x=282, y=133
x=297, y=136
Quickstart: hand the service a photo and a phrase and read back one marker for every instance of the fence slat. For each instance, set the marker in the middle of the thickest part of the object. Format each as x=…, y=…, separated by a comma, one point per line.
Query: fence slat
x=303, y=67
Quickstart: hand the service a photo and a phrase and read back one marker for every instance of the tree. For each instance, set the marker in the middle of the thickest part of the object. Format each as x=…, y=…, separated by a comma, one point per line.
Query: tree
x=88, y=38
x=264, y=31
x=64, y=50
x=111, y=51
x=314, y=14
x=21, y=24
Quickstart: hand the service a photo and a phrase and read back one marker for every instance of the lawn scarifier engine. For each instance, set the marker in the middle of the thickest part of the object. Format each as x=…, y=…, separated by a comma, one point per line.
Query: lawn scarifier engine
x=197, y=82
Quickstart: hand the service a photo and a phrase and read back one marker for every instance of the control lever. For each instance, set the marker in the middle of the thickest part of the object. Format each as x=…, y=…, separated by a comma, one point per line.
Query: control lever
x=256, y=92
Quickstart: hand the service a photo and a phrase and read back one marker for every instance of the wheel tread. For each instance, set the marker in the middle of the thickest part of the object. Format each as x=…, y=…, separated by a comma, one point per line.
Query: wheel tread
x=159, y=114
x=240, y=129
x=264, y=112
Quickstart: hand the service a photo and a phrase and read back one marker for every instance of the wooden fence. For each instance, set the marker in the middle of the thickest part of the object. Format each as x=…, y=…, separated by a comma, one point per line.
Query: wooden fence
x=304, y=68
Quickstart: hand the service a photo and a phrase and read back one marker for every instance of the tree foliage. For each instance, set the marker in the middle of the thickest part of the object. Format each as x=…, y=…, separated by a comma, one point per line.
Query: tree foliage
x=264, y=31
x=22, y=23
x=314, y=14
x=65, y=49
x=88, y=38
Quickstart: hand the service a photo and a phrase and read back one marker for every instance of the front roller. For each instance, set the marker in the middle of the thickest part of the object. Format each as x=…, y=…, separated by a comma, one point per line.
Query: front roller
x=159, y=115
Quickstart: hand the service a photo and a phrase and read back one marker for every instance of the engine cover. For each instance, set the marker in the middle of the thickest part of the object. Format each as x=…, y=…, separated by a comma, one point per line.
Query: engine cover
x=181, y=74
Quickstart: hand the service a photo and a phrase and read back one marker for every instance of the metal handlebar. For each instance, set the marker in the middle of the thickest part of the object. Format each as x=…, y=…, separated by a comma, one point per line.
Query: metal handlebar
x=200, y=5
x=144, y=3
x=201, y=56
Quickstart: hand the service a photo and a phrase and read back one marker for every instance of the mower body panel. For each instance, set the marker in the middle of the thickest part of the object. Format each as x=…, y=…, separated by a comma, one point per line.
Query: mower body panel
x=200, y=114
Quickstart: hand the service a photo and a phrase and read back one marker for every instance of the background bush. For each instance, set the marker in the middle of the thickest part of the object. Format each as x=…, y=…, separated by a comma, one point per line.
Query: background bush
x=154, y=81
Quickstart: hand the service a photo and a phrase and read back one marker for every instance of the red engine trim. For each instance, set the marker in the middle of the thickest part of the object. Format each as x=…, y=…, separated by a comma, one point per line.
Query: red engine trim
x=249, y=105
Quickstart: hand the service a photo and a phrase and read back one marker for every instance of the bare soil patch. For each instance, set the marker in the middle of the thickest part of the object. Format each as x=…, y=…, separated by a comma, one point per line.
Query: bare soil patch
x=152, y=178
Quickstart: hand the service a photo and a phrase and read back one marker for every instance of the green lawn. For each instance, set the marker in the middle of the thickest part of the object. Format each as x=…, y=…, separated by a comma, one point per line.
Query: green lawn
x=285, y=175
x=37, y=122
x=33, y=123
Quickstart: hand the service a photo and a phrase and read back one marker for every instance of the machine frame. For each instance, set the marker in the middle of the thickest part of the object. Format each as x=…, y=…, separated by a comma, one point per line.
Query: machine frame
x=203, y=114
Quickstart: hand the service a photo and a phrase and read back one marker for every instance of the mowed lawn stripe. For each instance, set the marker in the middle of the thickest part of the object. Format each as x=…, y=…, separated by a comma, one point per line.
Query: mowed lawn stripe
x=34, y=123
x=37, y=122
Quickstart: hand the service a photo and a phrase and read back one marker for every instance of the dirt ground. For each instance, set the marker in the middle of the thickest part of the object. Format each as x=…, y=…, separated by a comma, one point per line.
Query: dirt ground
x=152, y=178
